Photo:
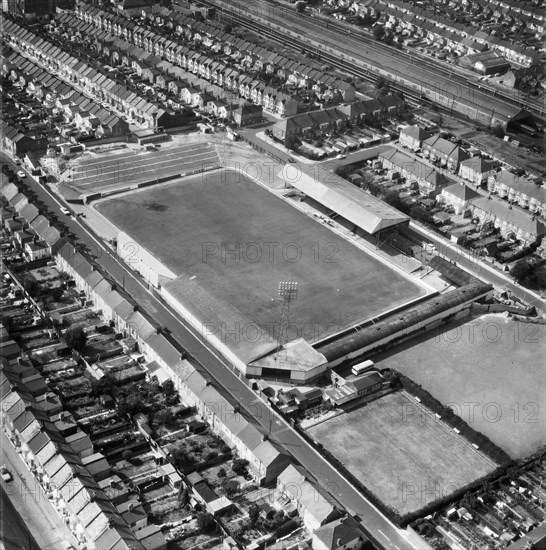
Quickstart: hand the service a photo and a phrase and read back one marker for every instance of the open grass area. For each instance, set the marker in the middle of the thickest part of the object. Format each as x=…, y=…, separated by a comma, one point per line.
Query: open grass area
x=401, y=452
x=490, y=370
x=236, y=241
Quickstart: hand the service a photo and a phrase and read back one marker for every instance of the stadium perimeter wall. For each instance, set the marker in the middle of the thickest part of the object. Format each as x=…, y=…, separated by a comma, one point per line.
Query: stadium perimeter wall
x=140, y=260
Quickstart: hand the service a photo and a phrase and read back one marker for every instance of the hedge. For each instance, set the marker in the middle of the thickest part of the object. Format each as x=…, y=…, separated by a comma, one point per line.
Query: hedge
x=487, y=447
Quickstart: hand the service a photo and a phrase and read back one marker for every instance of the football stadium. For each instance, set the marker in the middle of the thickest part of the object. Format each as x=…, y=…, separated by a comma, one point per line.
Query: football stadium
x=266, y=283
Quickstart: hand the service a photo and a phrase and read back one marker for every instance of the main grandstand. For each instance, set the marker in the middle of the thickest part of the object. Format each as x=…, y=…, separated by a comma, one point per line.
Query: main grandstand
x=358, y=207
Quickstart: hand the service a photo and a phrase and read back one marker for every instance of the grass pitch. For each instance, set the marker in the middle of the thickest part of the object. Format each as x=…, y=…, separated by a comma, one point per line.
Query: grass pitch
x=401, y=452
x=239, y=241
x=490, y=371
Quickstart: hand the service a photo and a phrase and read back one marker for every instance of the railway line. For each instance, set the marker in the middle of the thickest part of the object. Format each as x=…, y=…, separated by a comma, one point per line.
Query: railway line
x=417, y=78
x=510, y=96
x=279, y=38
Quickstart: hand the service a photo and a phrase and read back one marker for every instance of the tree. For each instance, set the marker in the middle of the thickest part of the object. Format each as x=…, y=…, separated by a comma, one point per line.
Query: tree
x=127, y=455
x=253, y=513
x=382, y=85
x=393, y=198
x=184, y=497
x=168, y=387
x=301, y=6
x=31, y=285
x=102, y=385
x=419, y=213
x=378, y=32
x=162, y=417
x=210, y=456
x=388, y=38
x=222, y=472
x=498, y=130
x=76, y=338
x=239, y=466
x=205, y=522
x=231, y=487
x=537, y=279
x=520, y=271
x=128, y=406
x=290, y=142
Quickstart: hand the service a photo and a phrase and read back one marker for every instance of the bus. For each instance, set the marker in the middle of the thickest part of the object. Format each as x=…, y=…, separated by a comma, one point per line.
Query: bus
x=359, y=368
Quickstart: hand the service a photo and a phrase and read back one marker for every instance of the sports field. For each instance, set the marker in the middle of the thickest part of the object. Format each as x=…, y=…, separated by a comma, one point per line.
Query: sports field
x=237, y=241
x=490, y=370
x=130, y=168
x=401, y=452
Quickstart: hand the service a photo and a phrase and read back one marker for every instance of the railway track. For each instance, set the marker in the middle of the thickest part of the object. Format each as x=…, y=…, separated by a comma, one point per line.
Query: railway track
x=477, y=97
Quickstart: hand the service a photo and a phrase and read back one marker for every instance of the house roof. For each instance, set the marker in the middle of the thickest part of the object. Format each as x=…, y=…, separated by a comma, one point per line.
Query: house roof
x=439, y=144
x=520, y=184
x=462, y=192
x=339, y=532
x=516, y=217
x=478, y=164
x=295, y=483
x=416, y=132
x=365, y=381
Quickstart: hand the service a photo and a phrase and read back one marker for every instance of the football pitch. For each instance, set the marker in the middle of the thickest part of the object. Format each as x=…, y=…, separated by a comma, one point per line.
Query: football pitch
x=238, y=241
x=490, y=371
x=401, y=452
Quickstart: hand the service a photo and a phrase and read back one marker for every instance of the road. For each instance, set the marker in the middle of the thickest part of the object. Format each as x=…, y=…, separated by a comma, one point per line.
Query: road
x=14, y=533
x=379, y=528
x=29, y=521
x=478, y=268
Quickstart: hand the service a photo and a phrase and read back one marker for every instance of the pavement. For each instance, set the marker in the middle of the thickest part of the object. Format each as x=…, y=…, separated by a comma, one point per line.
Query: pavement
x=229, y=380
x=31, y=522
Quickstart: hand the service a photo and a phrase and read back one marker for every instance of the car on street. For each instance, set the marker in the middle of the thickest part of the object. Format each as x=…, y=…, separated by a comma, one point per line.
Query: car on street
x=21, y=174
x=5, y=473
x=341, y=156
x=65, y=210
x=290, y=159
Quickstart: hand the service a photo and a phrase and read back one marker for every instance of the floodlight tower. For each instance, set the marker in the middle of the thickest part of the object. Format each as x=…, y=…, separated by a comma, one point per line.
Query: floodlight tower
x=288, y=292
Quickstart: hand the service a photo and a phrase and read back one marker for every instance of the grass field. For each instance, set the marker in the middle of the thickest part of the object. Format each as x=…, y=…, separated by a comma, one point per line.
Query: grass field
x=491, y=372
x=401, y=452
x=238, y=241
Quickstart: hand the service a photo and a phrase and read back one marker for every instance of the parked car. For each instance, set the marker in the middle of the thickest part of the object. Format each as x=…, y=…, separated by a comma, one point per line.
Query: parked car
x=5, y=473
x=21, y=174
x=65, y=211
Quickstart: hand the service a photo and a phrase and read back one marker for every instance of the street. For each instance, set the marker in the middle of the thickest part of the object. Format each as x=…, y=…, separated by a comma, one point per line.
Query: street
x=229, y=382
x=29, y=521
x=465, y=260
x=14, y=534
